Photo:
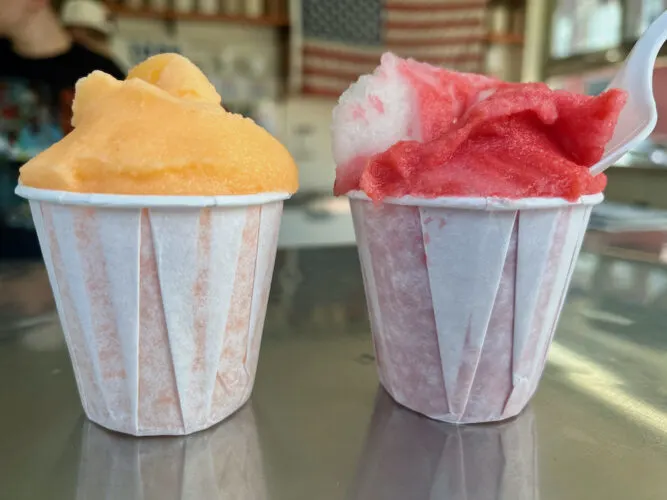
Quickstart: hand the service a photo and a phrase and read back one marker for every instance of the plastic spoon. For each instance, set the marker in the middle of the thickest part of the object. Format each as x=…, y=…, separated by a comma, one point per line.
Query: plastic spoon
x=639, y=116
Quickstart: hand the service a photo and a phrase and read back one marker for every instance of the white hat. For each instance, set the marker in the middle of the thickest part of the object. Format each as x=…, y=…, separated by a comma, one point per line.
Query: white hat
x=87, y=14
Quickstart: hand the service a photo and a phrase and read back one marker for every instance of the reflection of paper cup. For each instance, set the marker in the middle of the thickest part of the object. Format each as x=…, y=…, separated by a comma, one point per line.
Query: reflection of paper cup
x=162, y=301
x=220, y=463
x=464, y=296
x=408, y=456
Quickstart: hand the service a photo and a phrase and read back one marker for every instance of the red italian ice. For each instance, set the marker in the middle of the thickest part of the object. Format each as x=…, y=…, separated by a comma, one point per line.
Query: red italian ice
x=413, y=129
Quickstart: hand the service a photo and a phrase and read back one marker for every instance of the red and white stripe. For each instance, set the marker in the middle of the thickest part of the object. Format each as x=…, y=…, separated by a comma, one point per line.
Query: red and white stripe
x=447, y=33
x=464, y=303
x=162, y=308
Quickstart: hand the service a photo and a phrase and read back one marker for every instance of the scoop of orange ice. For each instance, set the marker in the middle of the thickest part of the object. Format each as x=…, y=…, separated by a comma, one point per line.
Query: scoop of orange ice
x=161, y=131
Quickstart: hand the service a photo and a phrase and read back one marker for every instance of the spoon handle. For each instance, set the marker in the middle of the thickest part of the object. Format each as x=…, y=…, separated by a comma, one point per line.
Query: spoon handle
x=639, y=64
x=639, y=116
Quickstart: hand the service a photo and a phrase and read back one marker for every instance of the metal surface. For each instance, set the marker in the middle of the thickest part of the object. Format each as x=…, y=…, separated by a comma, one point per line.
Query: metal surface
x=317, y=427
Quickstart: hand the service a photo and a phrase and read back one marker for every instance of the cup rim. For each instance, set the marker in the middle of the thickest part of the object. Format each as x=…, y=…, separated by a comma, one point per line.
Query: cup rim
x=482, y=203
x=146, y=201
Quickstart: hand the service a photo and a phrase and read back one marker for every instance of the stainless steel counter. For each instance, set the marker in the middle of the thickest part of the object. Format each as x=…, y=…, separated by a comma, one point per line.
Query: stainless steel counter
x=318, y=427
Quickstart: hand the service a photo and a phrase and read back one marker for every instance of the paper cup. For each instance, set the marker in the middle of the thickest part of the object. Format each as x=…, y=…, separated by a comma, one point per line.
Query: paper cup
x=409, y=456
x=221, y=463
x=464, y=295
x=162, y=301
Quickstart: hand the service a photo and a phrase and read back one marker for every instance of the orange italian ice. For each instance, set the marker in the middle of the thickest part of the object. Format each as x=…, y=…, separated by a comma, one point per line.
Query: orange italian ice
x=162, y=131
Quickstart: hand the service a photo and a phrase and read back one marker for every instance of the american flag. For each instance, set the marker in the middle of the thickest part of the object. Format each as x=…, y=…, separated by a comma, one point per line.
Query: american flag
x=342, y=39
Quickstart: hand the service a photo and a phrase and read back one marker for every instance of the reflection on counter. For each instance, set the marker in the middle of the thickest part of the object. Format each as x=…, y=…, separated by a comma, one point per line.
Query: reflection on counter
x=224, y=462
x=25, y=296
x=409, y=456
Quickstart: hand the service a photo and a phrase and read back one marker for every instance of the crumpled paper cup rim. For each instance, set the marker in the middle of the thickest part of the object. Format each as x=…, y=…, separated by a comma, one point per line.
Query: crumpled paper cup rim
x=146, y=201
x=483, y=203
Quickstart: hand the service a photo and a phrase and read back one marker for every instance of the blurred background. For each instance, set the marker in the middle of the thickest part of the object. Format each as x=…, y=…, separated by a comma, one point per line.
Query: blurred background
x=284, y=62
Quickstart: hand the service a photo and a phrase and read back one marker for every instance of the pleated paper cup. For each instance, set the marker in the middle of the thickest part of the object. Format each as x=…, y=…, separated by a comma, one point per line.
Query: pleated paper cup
x=221, y=463
x=409, y=456
x=162, y=301
x=464, y=295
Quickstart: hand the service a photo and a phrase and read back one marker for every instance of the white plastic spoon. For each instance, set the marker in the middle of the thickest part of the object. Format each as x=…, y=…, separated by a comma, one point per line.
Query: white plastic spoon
x=639, y=116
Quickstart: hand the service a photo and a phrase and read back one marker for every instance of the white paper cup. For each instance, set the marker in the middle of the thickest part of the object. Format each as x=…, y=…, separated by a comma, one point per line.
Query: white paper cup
x=464, y=295
x=221, y=463
x=162, y=301
x=408, y=456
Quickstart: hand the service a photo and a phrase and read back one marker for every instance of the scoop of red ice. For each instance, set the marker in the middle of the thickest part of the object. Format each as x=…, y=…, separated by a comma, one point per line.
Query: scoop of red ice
x=413, y=129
